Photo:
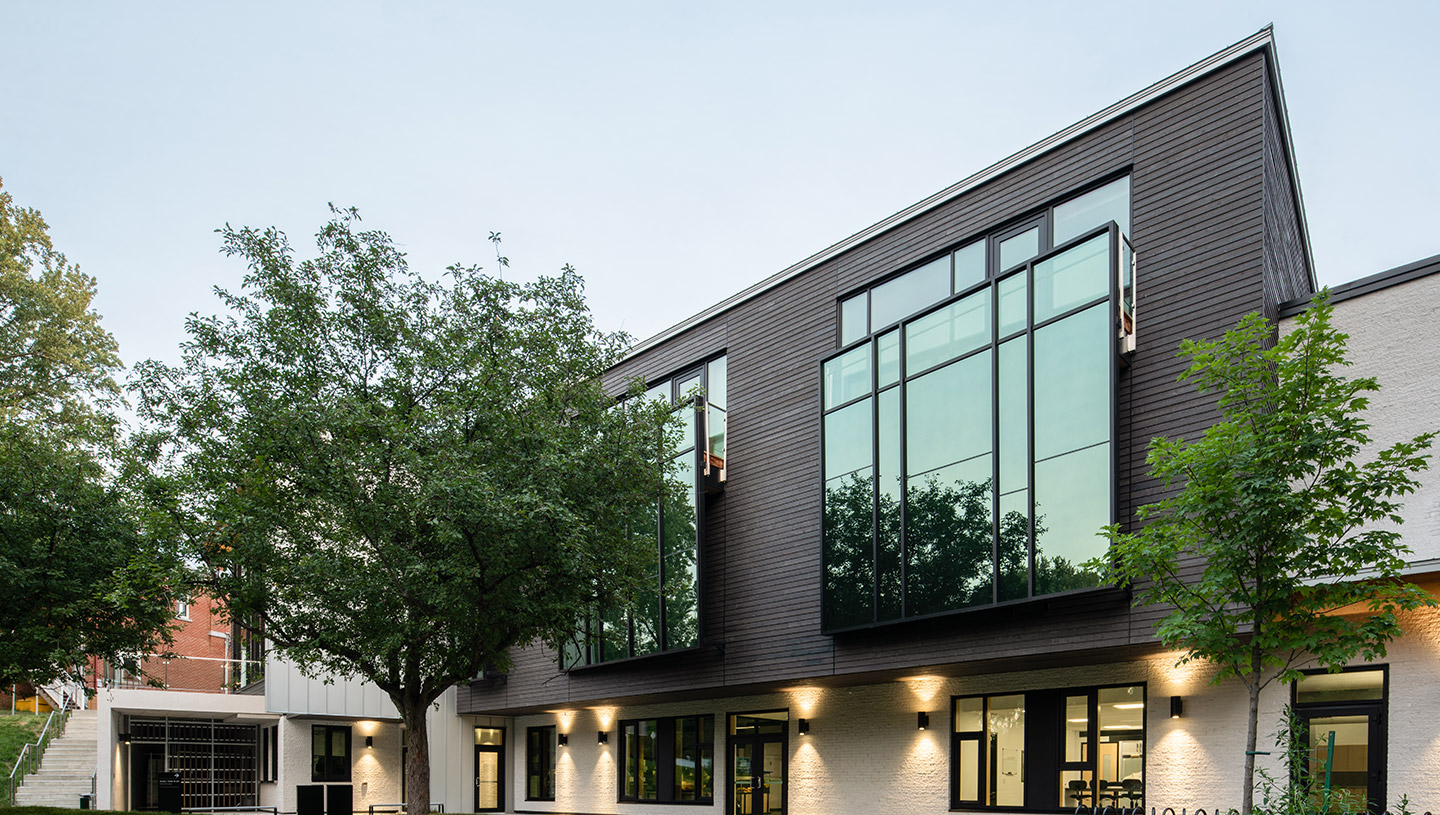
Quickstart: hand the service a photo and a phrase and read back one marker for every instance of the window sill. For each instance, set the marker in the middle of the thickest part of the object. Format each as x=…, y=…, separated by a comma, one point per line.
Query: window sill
x=647, y=659
x=1039, y=605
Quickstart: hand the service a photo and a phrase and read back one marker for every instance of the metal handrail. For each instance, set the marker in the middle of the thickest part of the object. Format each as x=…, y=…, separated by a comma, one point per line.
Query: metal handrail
x=31, y=754
x=193, y=673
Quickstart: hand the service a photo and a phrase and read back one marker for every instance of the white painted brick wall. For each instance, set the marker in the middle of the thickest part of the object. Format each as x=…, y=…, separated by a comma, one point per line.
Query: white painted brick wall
x=1395, y=337
x=864, y=753
x=374, y=771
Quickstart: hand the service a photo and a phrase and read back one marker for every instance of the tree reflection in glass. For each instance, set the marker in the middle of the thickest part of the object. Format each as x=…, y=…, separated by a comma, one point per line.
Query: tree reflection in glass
x=849, y=550
x=677, y=513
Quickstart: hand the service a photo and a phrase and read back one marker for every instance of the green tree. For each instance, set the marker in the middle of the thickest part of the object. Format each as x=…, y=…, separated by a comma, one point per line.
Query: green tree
x=79, y=577
x=1279, y=548
x=399, y=478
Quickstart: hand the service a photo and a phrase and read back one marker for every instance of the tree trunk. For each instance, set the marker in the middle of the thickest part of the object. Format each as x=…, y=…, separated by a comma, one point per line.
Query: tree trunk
x=1247, y=796
x=417, y=759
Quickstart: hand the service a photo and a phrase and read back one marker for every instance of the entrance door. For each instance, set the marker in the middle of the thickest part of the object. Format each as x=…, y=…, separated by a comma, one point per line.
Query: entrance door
x=1345, y=749
x=489, y=769
x=147, y=762
x=758, y=750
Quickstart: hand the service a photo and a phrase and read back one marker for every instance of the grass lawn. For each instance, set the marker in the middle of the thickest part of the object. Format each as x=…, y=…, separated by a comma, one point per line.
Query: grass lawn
x=62, y=811
x=16, y=731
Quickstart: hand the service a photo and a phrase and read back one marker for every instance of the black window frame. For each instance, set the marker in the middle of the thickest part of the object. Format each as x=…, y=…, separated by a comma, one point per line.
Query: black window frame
x=1041, y=781
x=665, y=776
x=589, y=649
x=540, y=756
x=1379, y=752
x=331, y=763
x=1041, y=219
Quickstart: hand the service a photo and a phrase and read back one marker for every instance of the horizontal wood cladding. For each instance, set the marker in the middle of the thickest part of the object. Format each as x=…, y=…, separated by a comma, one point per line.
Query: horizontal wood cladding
x=1197, y=159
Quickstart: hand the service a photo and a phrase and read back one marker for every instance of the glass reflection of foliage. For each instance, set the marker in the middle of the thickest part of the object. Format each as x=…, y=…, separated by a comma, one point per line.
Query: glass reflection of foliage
x=920, y=419
x=849, y=551
x=948, y=545
x=646, y=613
x=680, y=587
x=950, y=557
x=664, y=614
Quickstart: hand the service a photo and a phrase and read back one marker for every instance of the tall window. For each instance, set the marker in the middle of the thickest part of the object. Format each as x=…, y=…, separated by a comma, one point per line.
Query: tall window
x=1344, y=736
x=666, y=616
x=540, y=763
x=329, y=753
x=670, y=759
x=1086, y=749
x=967, y=451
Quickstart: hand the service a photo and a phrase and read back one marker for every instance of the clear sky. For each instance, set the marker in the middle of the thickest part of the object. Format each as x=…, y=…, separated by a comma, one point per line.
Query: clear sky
x=675, y=152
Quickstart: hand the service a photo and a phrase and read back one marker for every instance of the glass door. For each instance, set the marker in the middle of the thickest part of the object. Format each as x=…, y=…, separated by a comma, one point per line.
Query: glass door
x=758, y=763
x=1344, y=757
x=758, y=775
x=1344, y=736
x=489, y=769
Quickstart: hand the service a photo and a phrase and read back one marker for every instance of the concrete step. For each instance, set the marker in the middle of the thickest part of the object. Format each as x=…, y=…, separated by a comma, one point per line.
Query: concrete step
x=66, y=769
x=56, y=784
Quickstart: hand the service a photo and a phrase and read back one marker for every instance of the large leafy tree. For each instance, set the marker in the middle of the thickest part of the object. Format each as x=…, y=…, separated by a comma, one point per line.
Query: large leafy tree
x=400, y=479
x=79, y=575
x=1279, y=549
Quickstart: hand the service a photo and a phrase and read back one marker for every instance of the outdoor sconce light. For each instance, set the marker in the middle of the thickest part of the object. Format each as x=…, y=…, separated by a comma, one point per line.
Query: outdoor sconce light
x=1177, y=707
x=922, y=720
x=602, y=737
x=562, y=739
x=804, y=727
x=124, y=738
x=369, y=741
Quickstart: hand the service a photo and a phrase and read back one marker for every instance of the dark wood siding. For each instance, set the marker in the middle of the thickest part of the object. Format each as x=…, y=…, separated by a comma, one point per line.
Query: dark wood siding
x=1287, y=268
x=1198, y=160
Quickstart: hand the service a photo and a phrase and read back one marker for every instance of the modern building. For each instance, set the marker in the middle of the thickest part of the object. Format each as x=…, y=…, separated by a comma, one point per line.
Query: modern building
x=875, y=597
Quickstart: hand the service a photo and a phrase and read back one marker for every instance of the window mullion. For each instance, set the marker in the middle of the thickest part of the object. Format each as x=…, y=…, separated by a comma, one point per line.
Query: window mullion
x=904, y=470
x=1030, y=424
x=875, y=479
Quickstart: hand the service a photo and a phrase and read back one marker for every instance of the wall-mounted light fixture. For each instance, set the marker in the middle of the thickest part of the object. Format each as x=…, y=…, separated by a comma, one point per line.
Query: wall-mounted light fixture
x=562, y=739
x=602, y=737
x=804, y=726
x=125, y=738
x=369, y=741
x=1177, y=707
x=922, y=720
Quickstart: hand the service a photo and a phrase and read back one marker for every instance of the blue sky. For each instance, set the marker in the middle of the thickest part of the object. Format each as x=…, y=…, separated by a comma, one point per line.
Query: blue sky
x=674, y=152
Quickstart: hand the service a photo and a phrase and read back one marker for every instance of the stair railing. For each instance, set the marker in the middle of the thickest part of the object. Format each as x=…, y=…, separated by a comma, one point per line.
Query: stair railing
x=30, y=754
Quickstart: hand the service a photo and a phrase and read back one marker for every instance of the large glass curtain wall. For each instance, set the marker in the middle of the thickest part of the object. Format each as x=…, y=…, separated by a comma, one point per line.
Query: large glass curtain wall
x=666, y=616
x=968, y=448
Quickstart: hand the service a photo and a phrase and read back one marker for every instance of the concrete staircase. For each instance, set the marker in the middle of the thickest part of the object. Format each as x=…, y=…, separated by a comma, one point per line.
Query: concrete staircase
x=66, y=768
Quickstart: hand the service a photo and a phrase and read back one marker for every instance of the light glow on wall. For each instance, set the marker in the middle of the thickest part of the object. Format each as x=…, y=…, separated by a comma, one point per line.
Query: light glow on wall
x=1188, y=679
x=805, y=700
x=604, y=717
x=925, y=689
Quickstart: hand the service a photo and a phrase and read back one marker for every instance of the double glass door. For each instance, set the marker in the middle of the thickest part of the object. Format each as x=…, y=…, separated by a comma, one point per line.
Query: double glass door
x=758, y=749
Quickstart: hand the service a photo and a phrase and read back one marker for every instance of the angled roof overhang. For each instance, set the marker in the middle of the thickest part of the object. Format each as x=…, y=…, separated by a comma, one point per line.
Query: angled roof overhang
x=1262, y=40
